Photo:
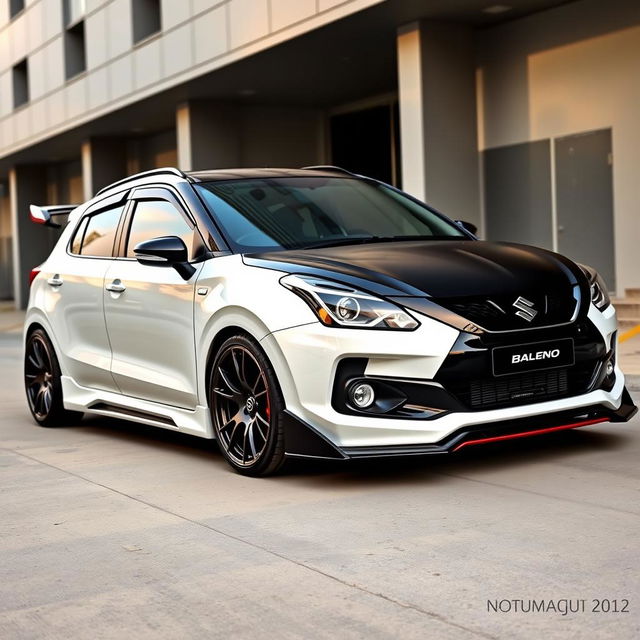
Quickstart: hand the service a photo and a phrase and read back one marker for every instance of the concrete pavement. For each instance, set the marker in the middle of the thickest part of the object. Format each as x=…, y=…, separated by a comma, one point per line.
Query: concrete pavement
x=110, y=529
x=11, y=319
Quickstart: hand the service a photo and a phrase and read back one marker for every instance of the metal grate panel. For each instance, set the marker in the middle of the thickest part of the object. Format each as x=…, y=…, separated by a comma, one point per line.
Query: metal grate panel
x=526, y=387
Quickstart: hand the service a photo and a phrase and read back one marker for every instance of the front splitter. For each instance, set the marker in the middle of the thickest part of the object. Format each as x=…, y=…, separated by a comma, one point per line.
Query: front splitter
x=302, y=441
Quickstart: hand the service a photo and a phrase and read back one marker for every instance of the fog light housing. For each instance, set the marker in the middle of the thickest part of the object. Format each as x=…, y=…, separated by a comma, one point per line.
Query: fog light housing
x=610, y=368
x=362, y=395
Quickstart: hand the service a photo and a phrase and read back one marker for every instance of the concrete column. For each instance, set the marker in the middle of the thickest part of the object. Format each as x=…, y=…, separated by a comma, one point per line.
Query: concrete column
x=6, y=262
x=104, y=160
x=438, y=120
x=31, y=244
x=208, y=136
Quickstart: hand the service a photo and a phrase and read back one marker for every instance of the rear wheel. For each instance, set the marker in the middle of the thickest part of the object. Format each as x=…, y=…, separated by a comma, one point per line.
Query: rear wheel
x=246, y=408
x=42, y=382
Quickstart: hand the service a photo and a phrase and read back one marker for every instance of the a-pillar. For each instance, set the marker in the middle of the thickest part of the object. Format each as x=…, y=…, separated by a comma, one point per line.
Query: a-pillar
x=438, y=119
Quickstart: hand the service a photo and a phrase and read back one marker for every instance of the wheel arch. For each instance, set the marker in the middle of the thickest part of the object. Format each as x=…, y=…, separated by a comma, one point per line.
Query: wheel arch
x=37, y=320
x=33, y=326
x=219, y=339
x=214, y=346
x=215, y=330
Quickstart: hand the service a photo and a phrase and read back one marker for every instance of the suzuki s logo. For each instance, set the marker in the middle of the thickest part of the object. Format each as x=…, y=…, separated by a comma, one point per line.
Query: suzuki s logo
x=525, y=309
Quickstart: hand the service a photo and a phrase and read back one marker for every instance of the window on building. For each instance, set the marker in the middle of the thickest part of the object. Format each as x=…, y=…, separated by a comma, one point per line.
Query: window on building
x=20, y=74
x=156, y=219
x=75, y=57
x=146, y=18
x=99, y=234
x=15, y=7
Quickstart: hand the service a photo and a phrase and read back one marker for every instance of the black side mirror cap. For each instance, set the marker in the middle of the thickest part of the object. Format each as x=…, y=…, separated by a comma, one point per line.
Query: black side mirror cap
x=468, y=226
x=168, y=251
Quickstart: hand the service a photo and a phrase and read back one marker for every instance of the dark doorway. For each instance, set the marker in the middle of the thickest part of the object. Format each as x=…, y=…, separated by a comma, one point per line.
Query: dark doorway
x=367, y=142
x=518, y=200
x=584, y=192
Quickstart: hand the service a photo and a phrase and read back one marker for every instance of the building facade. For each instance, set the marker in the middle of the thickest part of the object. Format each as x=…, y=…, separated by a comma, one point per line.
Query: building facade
x=521, y=118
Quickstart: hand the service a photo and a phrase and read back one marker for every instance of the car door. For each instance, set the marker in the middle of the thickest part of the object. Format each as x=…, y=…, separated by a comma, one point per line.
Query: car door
x=149, y=309
x=75, y=296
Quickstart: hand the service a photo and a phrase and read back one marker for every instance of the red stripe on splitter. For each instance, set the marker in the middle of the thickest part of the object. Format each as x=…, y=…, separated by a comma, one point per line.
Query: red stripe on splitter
x=536, y=432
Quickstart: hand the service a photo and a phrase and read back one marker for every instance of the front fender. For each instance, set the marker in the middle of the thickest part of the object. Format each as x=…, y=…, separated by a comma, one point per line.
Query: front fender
x=230, y=294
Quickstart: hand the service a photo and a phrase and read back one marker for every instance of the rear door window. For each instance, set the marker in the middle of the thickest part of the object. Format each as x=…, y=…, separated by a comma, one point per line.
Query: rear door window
x=99, y=234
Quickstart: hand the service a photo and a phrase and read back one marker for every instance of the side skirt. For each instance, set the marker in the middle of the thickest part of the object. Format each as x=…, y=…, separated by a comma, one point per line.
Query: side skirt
x=116, y=405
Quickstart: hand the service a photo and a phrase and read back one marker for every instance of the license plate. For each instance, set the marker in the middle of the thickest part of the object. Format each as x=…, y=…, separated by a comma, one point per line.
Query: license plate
x=533, y=356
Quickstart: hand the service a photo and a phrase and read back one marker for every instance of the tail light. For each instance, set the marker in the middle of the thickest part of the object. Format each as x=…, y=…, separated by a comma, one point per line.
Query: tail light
x=33, y=274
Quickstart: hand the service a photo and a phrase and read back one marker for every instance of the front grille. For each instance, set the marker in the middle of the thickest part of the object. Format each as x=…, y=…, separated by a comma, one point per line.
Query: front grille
x=497, y=313
x=534, y=387
x=523, y=388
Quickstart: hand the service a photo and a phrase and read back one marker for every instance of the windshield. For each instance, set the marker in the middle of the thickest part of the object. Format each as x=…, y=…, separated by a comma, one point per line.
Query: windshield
x=302, y=212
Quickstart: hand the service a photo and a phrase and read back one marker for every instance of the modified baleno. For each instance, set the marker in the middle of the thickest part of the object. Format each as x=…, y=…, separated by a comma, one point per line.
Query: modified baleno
x=311, y=313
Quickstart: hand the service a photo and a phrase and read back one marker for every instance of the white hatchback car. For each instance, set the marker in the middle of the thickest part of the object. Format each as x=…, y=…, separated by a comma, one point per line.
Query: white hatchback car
x=310, y=313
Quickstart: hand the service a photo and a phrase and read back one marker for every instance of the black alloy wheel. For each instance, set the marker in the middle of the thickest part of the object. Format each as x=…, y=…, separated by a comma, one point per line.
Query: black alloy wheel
x=246, y=407
x=42, y=382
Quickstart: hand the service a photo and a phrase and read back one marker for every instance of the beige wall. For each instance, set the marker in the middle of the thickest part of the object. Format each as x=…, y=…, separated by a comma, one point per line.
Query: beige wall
x=197, y=37
x=542, y=79
x=152, y=152
x=64, y=183
x=282, y=137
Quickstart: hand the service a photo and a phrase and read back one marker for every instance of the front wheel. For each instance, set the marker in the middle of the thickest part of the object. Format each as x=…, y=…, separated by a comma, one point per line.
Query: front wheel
x=246, y=408
x=43, y=384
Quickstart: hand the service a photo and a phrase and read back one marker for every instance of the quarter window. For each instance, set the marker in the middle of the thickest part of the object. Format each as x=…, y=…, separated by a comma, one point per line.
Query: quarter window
x=95, y=238
x=78, y=236
x=156, y=219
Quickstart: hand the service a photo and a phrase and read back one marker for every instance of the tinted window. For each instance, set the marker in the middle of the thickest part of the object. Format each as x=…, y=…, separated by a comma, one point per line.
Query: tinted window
x=155, y=219
x=100, y=233
x=291, y=213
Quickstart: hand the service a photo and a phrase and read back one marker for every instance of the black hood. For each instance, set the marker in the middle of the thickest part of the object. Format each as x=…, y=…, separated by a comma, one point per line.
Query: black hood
x=438, y=269
x=455, y=274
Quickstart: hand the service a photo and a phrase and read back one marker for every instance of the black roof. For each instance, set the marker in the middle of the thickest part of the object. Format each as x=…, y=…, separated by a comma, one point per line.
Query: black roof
x=243, y=174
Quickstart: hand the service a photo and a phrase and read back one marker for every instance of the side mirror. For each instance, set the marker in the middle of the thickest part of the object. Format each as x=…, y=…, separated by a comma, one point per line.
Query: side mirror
x=468, y=226
x=169, y=251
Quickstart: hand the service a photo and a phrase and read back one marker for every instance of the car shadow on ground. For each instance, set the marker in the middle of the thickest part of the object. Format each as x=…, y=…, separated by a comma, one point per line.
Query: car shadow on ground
x=485, y=458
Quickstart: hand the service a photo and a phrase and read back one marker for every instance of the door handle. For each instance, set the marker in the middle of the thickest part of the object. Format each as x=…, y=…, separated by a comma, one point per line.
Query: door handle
x=116, y=287
x=55, y=282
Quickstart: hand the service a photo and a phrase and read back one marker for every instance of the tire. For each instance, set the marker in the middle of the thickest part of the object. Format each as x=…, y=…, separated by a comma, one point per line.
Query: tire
x=246, y=408
x=42, y=383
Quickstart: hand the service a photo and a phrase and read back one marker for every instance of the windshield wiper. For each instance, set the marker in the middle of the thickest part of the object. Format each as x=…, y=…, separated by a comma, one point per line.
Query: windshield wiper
x=371, y=239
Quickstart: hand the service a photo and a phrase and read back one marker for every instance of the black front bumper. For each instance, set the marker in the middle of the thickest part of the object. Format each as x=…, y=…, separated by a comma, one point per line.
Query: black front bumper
x=303, y=441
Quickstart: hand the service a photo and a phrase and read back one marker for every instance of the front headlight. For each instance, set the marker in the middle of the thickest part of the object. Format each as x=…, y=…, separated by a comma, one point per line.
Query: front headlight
x=598, y=288
x=338, y=305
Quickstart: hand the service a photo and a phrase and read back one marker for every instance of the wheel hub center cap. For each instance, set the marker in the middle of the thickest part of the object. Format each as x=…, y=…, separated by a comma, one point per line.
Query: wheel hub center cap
x=251, y=404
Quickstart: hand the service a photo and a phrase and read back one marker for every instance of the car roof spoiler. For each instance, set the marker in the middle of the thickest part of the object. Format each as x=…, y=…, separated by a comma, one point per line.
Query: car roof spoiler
x=46, y=215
